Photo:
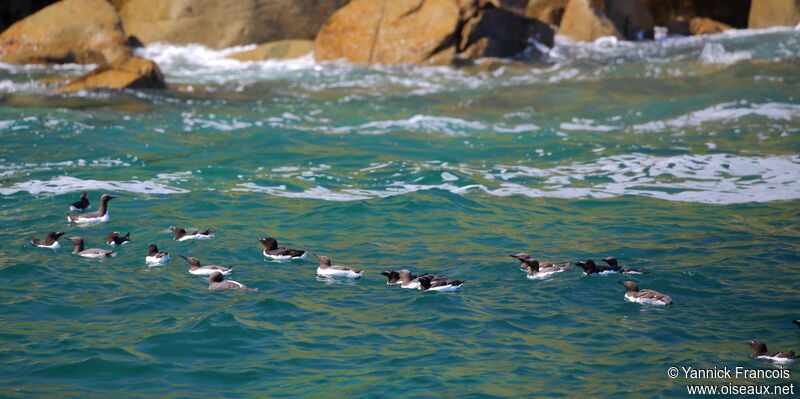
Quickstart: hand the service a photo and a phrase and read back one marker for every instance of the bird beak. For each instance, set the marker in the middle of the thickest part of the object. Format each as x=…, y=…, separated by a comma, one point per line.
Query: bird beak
x=315, y=255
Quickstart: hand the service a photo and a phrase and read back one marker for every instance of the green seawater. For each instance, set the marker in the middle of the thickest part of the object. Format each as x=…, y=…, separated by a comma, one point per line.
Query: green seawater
x=681, y=157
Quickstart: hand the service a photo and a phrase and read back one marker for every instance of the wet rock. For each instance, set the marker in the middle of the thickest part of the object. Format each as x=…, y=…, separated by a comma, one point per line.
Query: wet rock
x=224, y=23
x=706, y=26
x=584, y=21
x=632, y=18
x=70, y=31
x=500, y=33
x=129, y=72
x=426, y=31
x=391, y=32
x=280, y=50
x=769, y=13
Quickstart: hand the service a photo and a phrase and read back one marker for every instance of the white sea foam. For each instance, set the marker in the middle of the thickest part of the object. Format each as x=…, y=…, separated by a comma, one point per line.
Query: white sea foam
x=714, y=53
x=66, y=184
x=724, y=112
x=714, y=178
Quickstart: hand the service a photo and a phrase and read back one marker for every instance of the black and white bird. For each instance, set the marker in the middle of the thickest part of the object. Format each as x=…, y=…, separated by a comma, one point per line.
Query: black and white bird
x=91, y=252
x=50, y=240
x=115, y=239
x=273, y=251
x=326, y=269
x=155, y=257
x=197, y=269
x=99, y=216
x=82, y=204
x=646, y=297
x=760, y=352
x=216, y=282
x=182, y=235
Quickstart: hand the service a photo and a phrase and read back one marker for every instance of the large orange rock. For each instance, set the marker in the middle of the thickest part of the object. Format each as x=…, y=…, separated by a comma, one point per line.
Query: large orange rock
x=224, y=23
x=127, y=72
x=391, y=32
x=769, y=13
x=583, y=21
x=80, y=31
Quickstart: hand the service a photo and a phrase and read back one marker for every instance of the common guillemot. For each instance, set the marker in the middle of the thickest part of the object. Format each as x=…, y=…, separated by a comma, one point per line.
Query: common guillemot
x=648, y=297
x=100, y=216
x=760, y=352
x=271, y=250
x=155, y=257
x=326, y=269
x=796, y=322
x=197, y=269
x=589, y=267
x=426, y=284
x=82, y=204
x=49, y=241
x=91, y=252
x=182, y=235
x=115, y=239
x=392, y=276
x=612, y=262
x=538, y=271
x=525, y=261
x=216, y=282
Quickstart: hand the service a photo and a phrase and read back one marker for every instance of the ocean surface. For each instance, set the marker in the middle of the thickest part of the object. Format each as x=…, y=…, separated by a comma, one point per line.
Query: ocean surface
x=680, y=156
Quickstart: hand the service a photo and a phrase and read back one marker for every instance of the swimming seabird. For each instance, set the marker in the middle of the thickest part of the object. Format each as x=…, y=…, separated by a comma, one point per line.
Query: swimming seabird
x=196, y=268
x=99, y=216
x=115, y=239
x=760, y=352
x=589, y=267
x=537, y=272
x=425, y=284
x=408, y=280
x=182, y=235
x=648, y=297
x=525, y=261
x=796, y=322
x=392, y=276
x=49, y=241
x=326, y=269
x=155, y=257
x=216, y=282
x=91, y=252
x=82, y=204
x=271, y=250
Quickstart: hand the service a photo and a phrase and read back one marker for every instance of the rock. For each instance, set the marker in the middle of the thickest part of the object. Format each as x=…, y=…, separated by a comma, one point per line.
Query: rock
x=224, y=23
x=768, y=13
x=14, y=10
x=632, y=18
x=500, y=33
x=391, y=32
x=730, y=12
x=583, y=21
x=678, y=27
x=79, y=31
x=706, y=26
x=281, y=50
x=129, y=72
x=547, y=11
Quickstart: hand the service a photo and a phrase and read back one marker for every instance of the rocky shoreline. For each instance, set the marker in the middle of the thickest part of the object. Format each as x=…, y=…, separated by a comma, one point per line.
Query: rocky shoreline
x=428, y=32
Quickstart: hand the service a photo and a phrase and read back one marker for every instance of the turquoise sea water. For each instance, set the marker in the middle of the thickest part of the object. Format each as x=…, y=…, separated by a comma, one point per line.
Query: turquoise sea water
x=681, y=157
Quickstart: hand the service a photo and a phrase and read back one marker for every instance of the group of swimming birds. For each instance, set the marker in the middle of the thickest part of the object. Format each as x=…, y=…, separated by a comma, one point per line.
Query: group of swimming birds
x=426, y=282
